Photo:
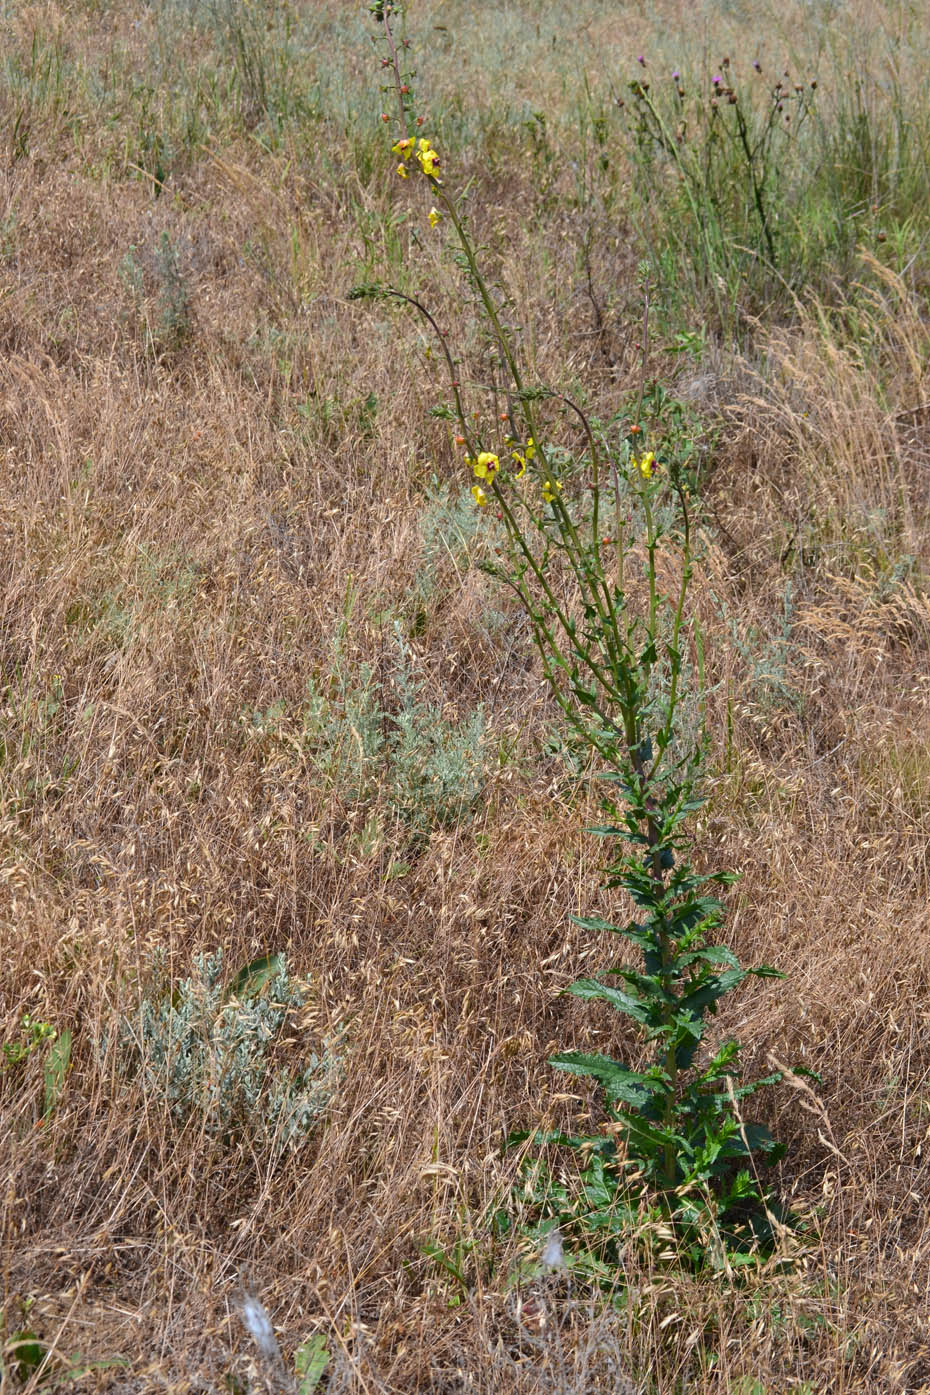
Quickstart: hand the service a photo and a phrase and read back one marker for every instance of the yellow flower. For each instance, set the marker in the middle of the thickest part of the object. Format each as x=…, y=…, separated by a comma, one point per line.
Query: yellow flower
x=427, y=157
x=551, y=491
x=402, y=170
x=479, y=495
x=486, y=466
x=521, y=457
x=434, y=216
x=645, y=464
x=403, y=147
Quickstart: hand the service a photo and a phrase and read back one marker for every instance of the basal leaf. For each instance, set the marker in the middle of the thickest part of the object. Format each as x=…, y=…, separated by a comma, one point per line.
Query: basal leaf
x=310, y=1362
x=57, y=1061
x=253, y=977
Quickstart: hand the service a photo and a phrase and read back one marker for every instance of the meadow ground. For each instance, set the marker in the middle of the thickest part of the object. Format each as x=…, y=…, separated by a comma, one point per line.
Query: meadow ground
x=257, y=695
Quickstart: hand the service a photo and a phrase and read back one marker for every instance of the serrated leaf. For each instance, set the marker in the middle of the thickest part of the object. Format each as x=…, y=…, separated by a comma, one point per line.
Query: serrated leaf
x=620, y=1084
x=594, y=922
x=713, y=954
x=623, y=1002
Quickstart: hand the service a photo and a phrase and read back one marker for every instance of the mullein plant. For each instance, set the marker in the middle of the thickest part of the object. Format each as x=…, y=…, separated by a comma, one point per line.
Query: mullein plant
x=587, y=534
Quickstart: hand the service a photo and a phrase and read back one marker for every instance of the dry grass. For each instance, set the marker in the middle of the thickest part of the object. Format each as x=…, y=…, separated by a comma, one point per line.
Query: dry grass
x=187, y=517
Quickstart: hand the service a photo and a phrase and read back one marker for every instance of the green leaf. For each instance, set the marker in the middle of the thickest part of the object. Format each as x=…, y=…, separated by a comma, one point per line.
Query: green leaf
x=623, y=1002
x=57, y=1060
x=594, y=922
x=368, y=291
x=77, y=1368
x=620, y=1084
x=440, y=1256
x=713, y=954
x=253, y=977
x=310, y=1362
x=767, y=971
x=25, y=1352
x=712, y=989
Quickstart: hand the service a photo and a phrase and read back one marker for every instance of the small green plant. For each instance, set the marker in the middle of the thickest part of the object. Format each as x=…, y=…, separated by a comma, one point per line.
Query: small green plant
x=595, y=544
x=209, y=1051
x=56, y=1050
x=35, y=1035
x=166, y=317
x=27, y=1360
x=173, y=326
x=369, y=738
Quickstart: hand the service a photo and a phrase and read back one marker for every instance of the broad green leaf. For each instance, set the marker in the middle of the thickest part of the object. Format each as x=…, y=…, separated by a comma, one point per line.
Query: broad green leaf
x=620, y=1084
x=310, y=1362
x=712, y=990
x=57, y=1060
x=25, y=1352
x=623, y=1002
x=594, y=922
x=253, y=977
x=713, y=954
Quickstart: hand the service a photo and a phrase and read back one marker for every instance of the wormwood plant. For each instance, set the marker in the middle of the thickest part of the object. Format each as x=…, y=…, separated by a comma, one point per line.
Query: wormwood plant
x=208, y=1050
x=595, y=543
x=368, y=741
